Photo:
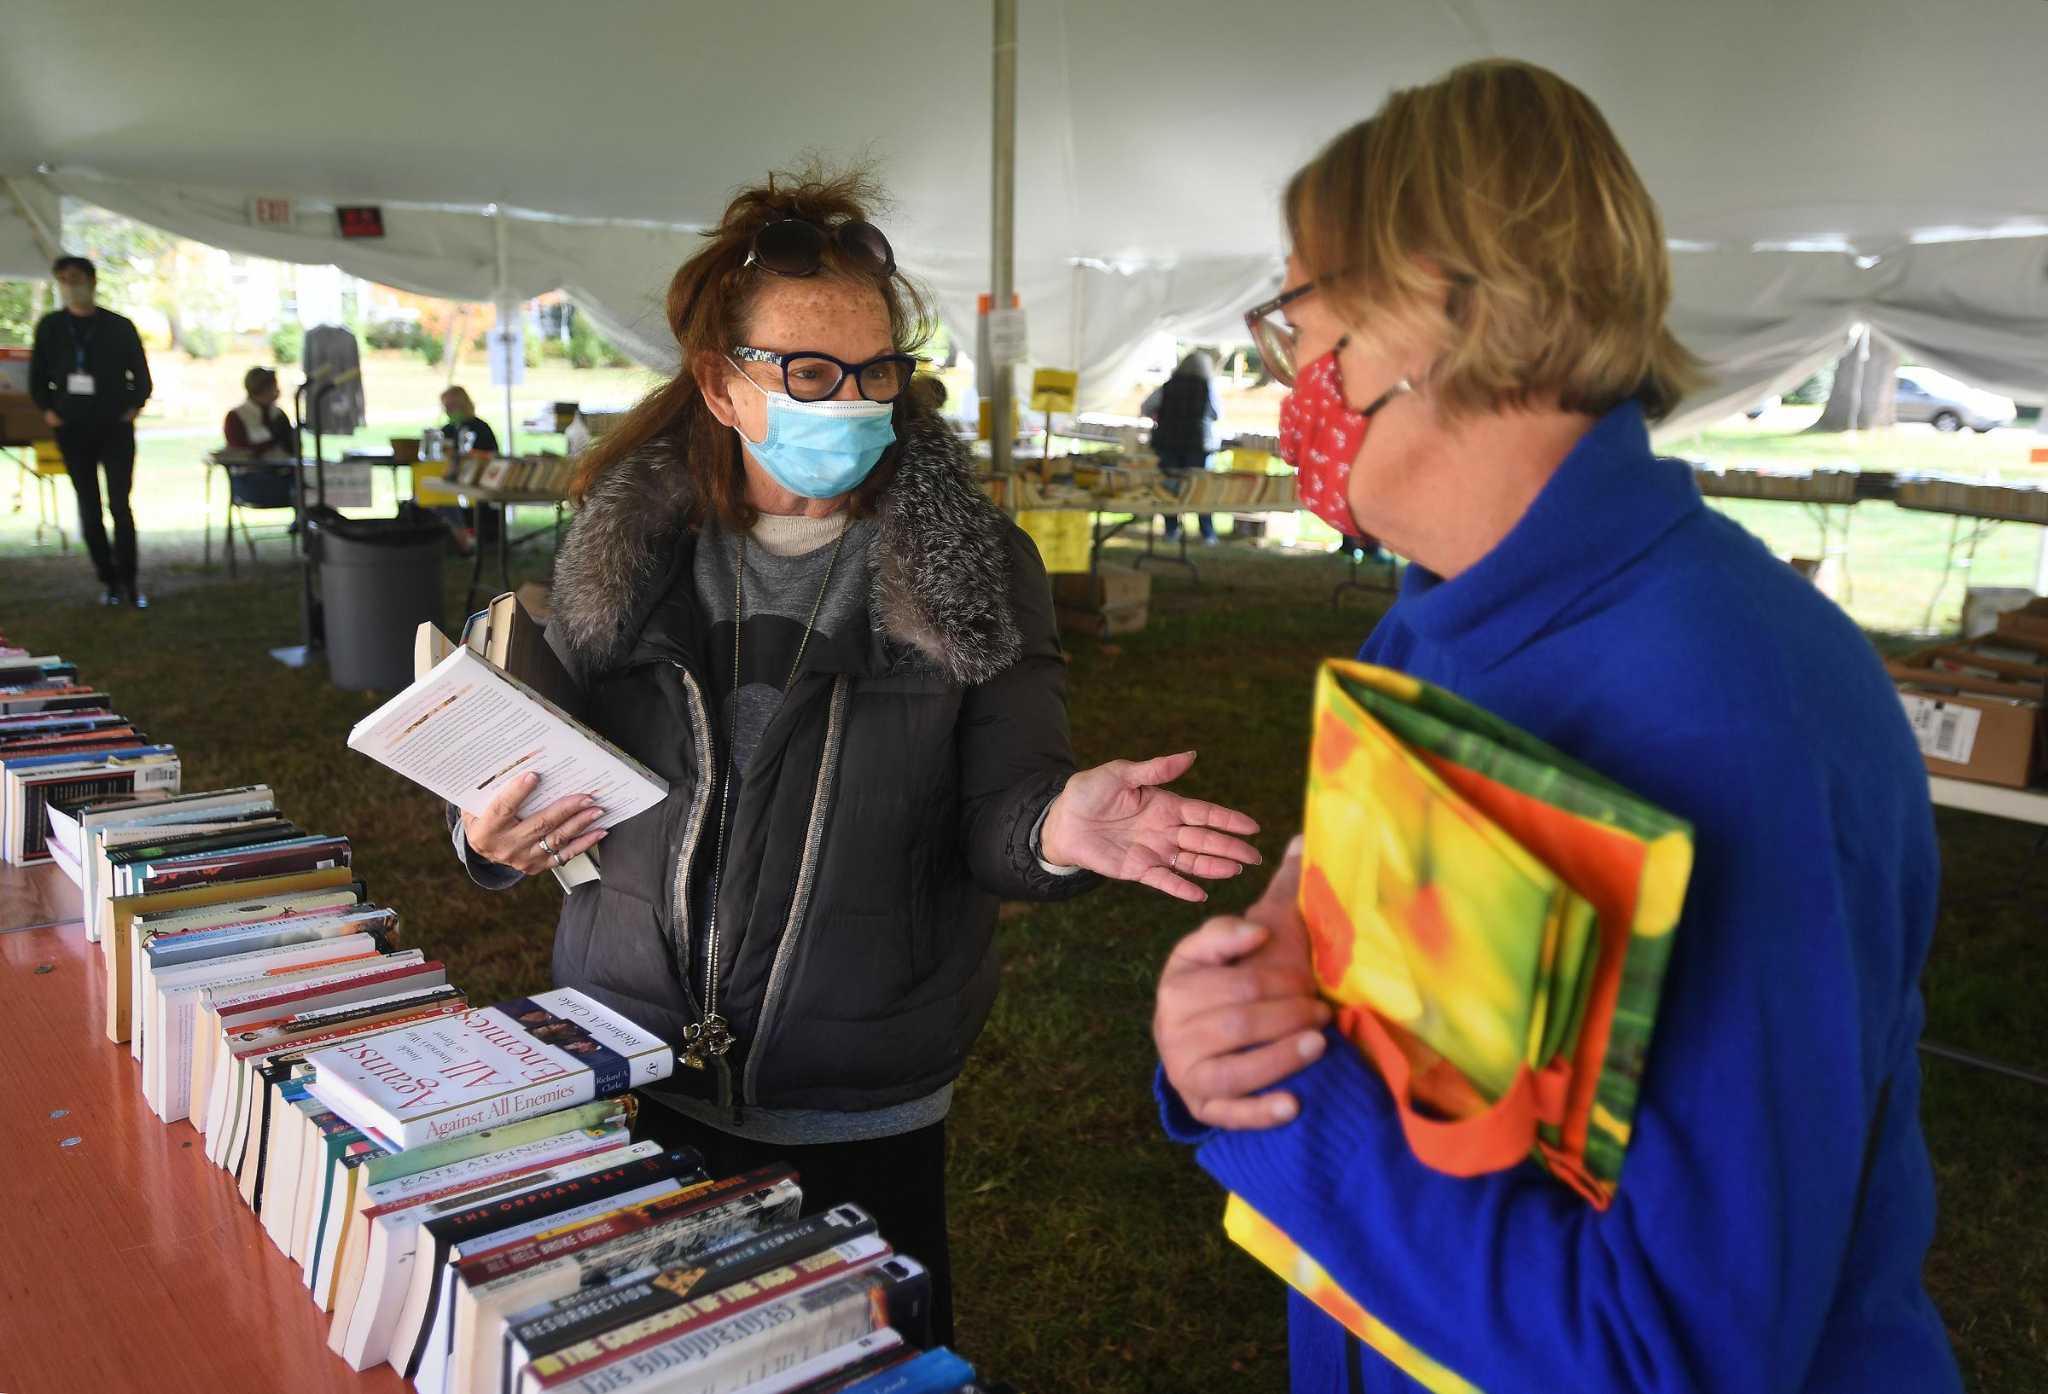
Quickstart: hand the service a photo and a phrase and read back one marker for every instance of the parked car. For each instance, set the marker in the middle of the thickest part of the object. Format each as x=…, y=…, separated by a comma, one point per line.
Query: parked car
x=1763, y=404
x=1948, y=405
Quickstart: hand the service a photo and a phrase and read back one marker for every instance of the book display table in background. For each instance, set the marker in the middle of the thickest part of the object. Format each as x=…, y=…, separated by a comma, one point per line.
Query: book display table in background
x=1101, y=485
x=482, y=498
x=132, y=1262
x=2018, y=805
x=37, y=472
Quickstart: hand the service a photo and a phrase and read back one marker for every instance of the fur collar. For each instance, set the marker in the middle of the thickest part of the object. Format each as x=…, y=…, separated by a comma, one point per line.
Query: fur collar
x=939, y=571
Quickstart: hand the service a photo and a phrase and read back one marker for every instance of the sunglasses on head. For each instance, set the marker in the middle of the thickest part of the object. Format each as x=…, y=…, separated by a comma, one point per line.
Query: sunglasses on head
x=796, y=247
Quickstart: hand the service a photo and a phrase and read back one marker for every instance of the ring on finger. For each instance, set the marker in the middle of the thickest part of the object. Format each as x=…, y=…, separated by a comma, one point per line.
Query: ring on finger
x=556, y=855
x=1174, y=864
x=547, y=846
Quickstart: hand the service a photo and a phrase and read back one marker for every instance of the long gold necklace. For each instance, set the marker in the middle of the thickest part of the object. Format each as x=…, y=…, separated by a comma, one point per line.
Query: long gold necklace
x=712, y=1036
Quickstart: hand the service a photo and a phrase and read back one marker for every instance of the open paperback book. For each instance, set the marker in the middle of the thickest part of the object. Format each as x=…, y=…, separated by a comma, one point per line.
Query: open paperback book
x=1491, y=920
x=466, y=728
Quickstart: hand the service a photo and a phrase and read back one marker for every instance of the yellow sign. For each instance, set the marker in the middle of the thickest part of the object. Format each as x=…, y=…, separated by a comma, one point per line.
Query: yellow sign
x=1052, y=389
x=1063, y=537
x=988, y=410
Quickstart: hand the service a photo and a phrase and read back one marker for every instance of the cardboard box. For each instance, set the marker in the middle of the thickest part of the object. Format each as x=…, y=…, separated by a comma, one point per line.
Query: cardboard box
x=1972, y=728
x=1107, y=588
x=2028, y=624
x=2007, y=661
x=21, y=420
x=1982, y=605
x=1122, y=619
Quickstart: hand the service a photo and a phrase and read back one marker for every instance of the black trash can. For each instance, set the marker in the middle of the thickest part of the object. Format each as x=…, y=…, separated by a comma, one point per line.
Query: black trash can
x=379, y=578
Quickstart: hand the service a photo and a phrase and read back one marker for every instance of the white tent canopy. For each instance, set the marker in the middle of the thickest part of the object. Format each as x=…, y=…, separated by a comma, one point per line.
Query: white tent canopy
x=1153, y=139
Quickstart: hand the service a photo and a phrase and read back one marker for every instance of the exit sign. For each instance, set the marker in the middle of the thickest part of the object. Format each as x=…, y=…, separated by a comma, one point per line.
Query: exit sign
x=367, y=221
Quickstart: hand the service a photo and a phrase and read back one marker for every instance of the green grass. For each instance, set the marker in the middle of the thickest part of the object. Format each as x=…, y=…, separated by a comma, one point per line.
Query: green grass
x=1089, y=1252
x=1895, y=556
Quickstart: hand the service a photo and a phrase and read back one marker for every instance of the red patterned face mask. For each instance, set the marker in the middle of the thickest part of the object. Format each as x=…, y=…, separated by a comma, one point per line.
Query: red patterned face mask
x=1320, y=436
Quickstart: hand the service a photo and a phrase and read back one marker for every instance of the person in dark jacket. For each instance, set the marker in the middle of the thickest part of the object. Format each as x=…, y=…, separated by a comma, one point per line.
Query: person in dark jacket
x=88, y=373
x=471, y=525
x=460, y=410
x=784, y=592
x=1184, y=411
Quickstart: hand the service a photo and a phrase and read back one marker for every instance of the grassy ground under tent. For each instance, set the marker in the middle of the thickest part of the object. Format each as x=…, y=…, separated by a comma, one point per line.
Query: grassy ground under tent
x=1088, y=1248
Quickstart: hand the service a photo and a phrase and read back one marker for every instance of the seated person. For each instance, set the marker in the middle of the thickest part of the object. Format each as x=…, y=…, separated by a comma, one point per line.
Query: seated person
x=258, y=425
x=461, y=412
x=469, y=526
x=259, y=428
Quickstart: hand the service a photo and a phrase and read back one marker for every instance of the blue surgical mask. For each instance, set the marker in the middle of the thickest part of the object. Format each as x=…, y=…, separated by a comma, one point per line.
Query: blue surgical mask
x=821, y=449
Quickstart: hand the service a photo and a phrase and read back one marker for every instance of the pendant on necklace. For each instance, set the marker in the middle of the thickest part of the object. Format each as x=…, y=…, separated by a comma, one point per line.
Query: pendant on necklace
x=709, y=1037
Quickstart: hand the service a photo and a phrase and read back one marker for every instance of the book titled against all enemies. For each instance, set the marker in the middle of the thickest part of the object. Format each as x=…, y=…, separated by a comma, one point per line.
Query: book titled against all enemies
x=486, y=1068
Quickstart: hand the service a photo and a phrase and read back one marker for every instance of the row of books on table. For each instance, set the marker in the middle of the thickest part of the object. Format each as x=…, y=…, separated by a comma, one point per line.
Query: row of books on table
x=458, y=1185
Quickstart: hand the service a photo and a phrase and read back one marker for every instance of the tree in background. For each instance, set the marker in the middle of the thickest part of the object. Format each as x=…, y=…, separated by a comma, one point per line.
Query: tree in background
x=1865, y=393
x=19, y=311
x=588, y=348
x=142, y=268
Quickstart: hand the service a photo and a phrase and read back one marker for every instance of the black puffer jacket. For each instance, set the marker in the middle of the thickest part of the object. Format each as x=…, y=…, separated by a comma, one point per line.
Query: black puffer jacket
x=888, y=809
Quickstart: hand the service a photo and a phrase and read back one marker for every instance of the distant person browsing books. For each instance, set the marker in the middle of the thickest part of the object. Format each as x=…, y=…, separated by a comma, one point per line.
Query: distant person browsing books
x=90, y=376
x=784, y=594
x=1474, y=328
x=1185, y=412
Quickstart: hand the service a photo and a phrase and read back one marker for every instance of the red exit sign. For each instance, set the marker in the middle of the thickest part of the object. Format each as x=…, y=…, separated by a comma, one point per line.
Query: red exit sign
x=361, y=222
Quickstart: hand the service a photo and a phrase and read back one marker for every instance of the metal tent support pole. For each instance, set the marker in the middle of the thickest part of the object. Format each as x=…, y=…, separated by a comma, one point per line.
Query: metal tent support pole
x=1002, y=223
x=507, y=308
x=312, y=640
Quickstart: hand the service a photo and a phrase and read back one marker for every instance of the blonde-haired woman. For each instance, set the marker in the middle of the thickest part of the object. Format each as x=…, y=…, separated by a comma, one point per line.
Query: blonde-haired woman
x=784, y=593
x=1474, y=328
x=460, y=410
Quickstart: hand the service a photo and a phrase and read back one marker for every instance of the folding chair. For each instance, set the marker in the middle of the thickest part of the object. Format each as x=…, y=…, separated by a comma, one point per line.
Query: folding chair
x=254, y=488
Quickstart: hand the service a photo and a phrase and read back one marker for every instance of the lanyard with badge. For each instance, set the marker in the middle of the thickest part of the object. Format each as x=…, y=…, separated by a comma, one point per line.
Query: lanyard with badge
x=79, y=382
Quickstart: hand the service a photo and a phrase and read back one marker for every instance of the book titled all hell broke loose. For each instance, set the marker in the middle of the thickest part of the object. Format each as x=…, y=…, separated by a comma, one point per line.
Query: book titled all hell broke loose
x=485, y=1068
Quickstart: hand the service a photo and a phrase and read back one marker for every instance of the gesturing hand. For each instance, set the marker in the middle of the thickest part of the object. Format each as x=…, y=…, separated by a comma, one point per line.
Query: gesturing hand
x=1115, y=820
x=500, y=834
x=1238, y=1012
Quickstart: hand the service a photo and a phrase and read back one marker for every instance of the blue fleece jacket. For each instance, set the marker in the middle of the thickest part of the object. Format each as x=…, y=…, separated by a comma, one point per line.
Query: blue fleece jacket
x=1630, y=626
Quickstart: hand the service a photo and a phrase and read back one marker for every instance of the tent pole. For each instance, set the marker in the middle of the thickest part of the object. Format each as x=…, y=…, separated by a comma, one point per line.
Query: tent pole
x=1002, y=430
x=1077, y=321
x=44, y=236
x=505, y=309
x=1856, y=393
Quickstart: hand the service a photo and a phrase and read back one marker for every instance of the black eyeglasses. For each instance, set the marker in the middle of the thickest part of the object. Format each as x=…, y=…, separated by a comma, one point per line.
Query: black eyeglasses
x=1273, y=336
x=810, y=376
x=796, y=247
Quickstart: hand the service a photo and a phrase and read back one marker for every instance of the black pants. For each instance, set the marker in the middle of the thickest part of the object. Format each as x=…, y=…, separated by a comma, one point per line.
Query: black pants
x=89, y=446
x=900, y=1180
x=1173, y=464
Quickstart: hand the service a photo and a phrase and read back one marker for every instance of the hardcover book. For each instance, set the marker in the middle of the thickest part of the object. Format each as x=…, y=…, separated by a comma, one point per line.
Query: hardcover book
x=488, y=1067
